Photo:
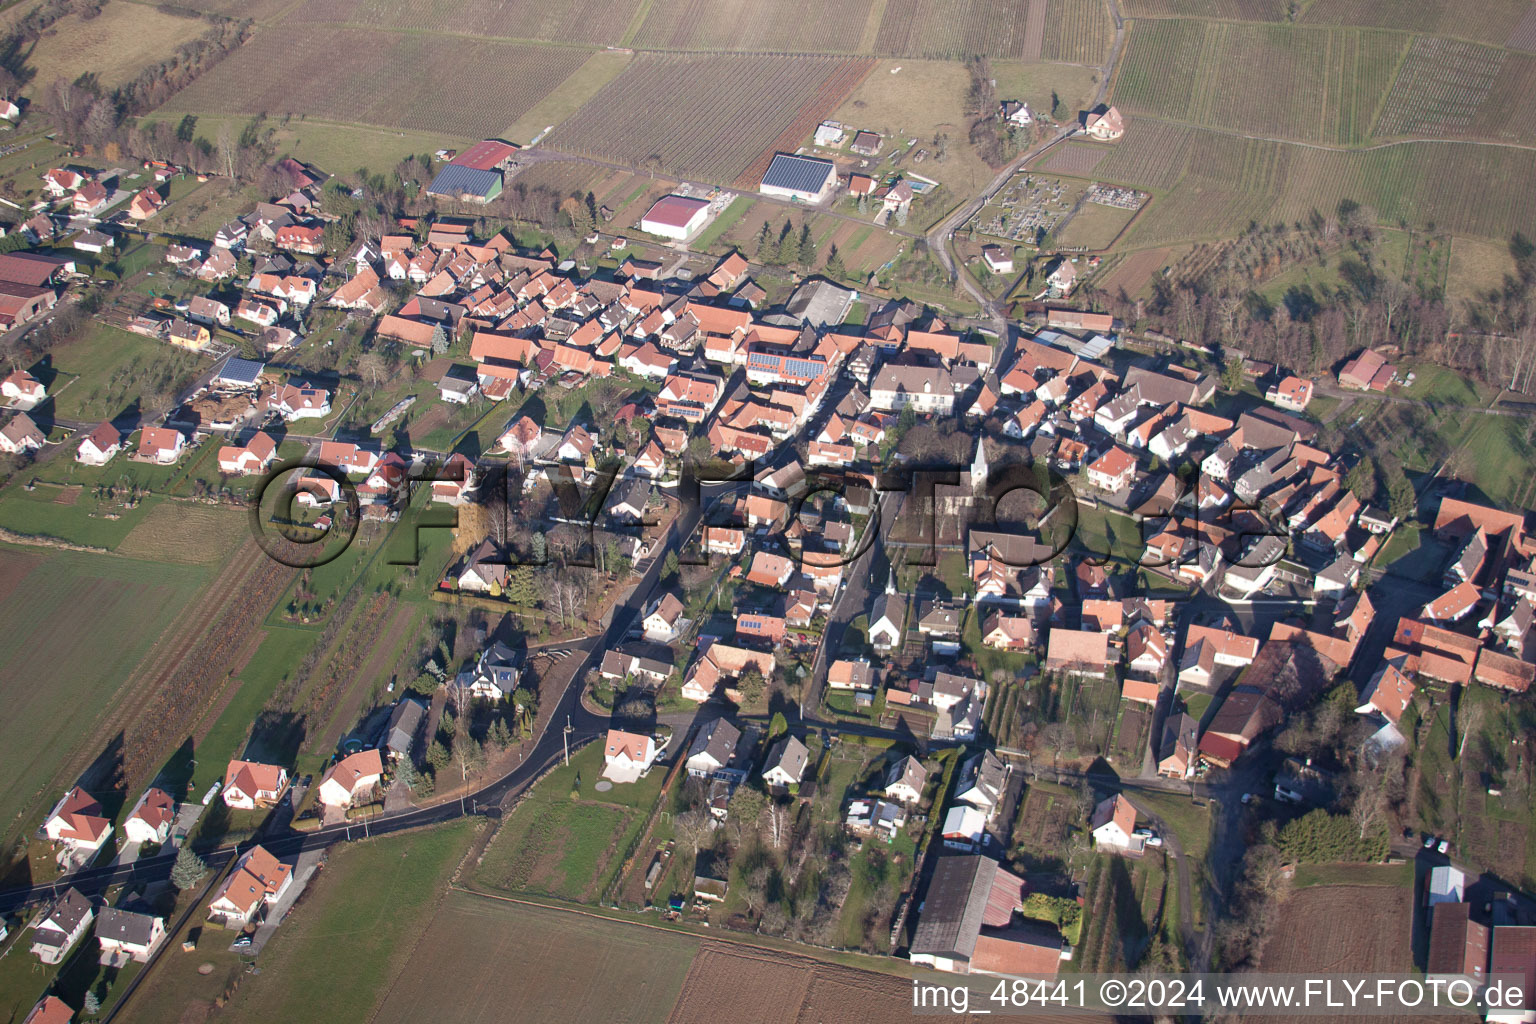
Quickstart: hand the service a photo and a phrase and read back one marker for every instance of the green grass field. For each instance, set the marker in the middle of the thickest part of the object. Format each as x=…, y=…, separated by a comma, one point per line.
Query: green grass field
x=568, y=848
x=77, y=625
x=112, y=368
x=335, y=957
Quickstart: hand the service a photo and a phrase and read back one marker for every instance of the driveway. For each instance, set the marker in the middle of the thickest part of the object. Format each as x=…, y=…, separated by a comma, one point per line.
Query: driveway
x=303, y=871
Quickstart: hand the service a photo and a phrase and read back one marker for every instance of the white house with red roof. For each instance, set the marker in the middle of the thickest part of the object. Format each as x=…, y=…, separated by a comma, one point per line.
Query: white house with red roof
x=627, y=755
x=1113, y=471
x=250, y=458
x=353, y=777
x=259, y=879
x=1104, y=126
x=151, y=818
x=161, y=445
x=250, y=784
x=99, y=446
x=76, y=822
x=23, y=390
x=1114, y=826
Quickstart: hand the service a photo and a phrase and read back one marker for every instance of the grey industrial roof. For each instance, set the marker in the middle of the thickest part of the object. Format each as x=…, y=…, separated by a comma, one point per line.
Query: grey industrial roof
x=454, y=180
x=800, y=173
x=243, y=371
x=954, y=906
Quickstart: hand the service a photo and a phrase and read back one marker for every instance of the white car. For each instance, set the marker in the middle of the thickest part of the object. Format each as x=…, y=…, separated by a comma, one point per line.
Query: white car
x=1154, y=841
x=1445, y=845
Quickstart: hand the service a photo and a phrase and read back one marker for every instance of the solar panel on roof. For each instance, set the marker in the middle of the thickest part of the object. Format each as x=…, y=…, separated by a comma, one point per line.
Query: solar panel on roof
x=454, y=180
x=246, y=371
x=797, y=173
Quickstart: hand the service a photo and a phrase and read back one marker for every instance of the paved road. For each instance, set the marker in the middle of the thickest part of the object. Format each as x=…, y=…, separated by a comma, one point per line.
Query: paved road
x=488, y=800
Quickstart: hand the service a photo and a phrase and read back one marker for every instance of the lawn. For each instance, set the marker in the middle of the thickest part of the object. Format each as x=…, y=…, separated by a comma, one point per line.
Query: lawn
x=1191, y=823
x=1095, y=226
x=336, y=956
x=77, y=625
x=114, y=45
x=83, y=520
x=565, y=839
x=113, y=368
x=1353, y=874
x=866, y=868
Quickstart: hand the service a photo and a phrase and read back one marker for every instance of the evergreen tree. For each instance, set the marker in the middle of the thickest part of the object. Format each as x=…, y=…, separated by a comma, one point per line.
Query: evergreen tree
x=789, y=247
x=499, y=736
x=764, y=239
x=92, y=1004
x=437, y=756
x=188, y=870
x=592, y=214
x=807, y=248
x=835, y=268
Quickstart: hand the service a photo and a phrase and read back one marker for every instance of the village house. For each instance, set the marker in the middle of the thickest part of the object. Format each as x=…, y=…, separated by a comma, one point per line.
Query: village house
x=77, y=824
x=1076, y=652
x=353, y=778
x=905, y=780
x=250, y=458
x=627, y=756
x=1114, y=826
x=258, y=880
x=786, y=763
x=50, y=1009
x=494, y=674
x=99, y=446
x=151, y=818
x=127, y=937
x=713, y=747
x=968, y=925
x=161, y=445
x=55, y=933
x=23, y=390
x=1104, y=126
x=21, y=434
x=250, y=784
x=663, y=619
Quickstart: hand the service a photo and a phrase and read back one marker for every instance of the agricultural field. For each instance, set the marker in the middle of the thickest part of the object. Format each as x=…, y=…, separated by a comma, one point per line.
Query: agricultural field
x=738, y=983
x=114, y=45
x=1077, y=32
x=948, y=30
x=1492, y=21
x=1226, y=10
x=569, y=967
x=594, y=22
x=261, y=11
x=56, y=689
x=1075, y=158
x=372, y=77
x=1214, y=184
x=1133, y=273
x=336, y=957
x=739, y=110
x=567, y=98
x=801, y=26
x=1452, y=89
x=1523, y=35
x=1329, y=929
x=1476, y=267
x=1309, y=84
x=186, y=534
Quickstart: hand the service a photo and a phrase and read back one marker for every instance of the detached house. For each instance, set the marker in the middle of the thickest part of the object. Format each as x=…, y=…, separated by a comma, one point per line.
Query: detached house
x=57, y=931
x=786, y=763
x=627, y=756
x=259, y=879
x=161, y=445
x=250, y=784
x=128, y=937
x=76, y=822
x=713, y=747
x=151, y=818
x=905, y=780
x=99, y=446
x=353, y=777
x=1114, y=825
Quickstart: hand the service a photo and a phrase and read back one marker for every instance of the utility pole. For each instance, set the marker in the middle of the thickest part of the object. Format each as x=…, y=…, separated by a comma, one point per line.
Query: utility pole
x=565, y=739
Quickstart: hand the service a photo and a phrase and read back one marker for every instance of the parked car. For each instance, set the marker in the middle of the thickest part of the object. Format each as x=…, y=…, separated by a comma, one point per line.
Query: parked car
x=1445, y=845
